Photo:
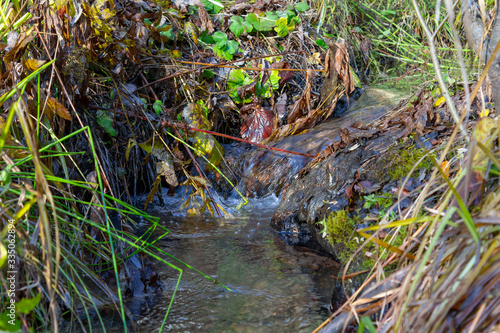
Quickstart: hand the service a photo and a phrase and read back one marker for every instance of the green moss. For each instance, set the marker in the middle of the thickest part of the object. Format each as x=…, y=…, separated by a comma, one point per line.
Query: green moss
x=339, y=228
x=403, y=160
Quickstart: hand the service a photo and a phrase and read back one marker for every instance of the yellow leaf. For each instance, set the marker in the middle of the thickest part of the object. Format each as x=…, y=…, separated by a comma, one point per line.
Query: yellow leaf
x=147, y=145
x=445, y=166
x=152, y=193
x=484, y=113
x=130, y=145
x=191, y=30
x=483, y=129
x=55, y=107
x=314, y=59
x=33, y=64
x=439, y=101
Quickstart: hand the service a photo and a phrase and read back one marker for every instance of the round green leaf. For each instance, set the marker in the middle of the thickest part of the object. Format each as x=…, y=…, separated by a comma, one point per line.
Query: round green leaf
x=301, y=6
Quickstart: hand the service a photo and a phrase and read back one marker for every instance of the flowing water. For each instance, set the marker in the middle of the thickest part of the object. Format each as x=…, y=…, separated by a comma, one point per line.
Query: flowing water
x=268, y=171
x=274, y=287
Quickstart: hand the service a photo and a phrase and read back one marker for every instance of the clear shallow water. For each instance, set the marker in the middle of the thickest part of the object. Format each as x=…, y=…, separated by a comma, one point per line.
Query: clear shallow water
x=275, y=287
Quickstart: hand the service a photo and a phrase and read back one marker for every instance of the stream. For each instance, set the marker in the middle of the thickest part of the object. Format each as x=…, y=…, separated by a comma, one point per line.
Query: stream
x=275, y=287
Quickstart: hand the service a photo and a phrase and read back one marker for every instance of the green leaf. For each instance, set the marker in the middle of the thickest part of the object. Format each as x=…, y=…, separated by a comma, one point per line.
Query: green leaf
x=355, y=77
x=271, y=84
x=216, y=155
x=366, y=324
x=208, y=73
x=221, y=53
x=3, y=254
x=301, y=6
x=205, y=110
x=212, y=6
x=232, y=46
x=5, y=178
x=275, y=79
x=228, y=56
x=321, y=43
x=9, y=322
x=283, y=28
x=148, y=145
x=106, y=122
x=238, y=78
x=262, y=23
x=157, y=106
x=240, y=26
x=280, y=28
x=220, y=39
x=206, y=38
x=26, y=305
x=169, y=33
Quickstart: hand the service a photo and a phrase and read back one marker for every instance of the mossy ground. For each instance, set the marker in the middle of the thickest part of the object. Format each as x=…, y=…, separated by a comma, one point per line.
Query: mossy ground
x=403, y=160
x=340, y=230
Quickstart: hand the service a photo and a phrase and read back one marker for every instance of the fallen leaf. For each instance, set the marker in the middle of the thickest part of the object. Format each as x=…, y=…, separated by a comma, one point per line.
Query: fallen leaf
x=342, y=67
x=54, y=107
x=439, y=101
x=259, y=125
x=33, y=64
x=484, y=113
x=206, y=23
x=445, y=167
x=152, y=193
x=280, y=106
x=165, y=165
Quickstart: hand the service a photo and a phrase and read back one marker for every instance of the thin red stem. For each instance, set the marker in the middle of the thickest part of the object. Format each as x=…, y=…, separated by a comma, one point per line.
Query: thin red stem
x=166, y=123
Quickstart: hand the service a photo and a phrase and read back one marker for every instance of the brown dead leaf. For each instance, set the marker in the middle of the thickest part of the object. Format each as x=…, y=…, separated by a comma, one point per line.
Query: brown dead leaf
x=297, y=110
x=206, y=23
x=284, y=75
x=153, y=191
x=17, y=43
x=307, y=90
x=54, y=107
x=280, y=106
x=247, y=91
x=365, y=47
x=342, y=66
x=165, y=165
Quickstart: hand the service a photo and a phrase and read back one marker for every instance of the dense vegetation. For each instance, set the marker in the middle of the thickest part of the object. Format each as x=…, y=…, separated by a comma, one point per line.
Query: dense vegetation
x=106, y=99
